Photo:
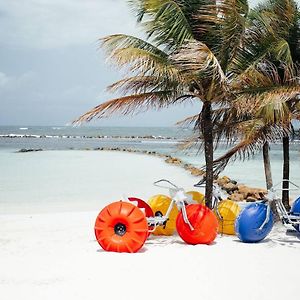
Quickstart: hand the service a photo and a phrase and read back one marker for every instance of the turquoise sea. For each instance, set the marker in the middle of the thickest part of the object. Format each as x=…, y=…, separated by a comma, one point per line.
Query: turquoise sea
x=20, y=171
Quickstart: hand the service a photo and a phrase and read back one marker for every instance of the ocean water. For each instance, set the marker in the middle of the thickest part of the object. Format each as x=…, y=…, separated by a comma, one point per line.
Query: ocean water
x=50, y=168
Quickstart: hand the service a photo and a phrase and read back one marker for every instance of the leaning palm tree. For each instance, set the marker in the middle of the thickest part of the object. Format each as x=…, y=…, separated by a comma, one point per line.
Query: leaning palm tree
x=279, y=22
x=192, y=44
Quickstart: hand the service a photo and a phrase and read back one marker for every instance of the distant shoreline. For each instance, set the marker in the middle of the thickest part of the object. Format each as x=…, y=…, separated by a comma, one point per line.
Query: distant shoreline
x=117, y=137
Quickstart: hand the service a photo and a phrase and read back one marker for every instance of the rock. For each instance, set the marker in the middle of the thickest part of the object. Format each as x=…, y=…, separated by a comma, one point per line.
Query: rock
x=29, y=150
x=221, y=181
x=173, y=160
x=230, y=187
x=251, y=192
x=187, y=166
x=251, y=199
x=196, y=171
x=236, y=197
x=168, y=160
x=177, y=161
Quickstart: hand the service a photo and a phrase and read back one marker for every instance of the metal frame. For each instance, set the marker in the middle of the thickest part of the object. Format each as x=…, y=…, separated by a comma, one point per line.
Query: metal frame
x=179, y=198
x=216, y=197
x=285, y=217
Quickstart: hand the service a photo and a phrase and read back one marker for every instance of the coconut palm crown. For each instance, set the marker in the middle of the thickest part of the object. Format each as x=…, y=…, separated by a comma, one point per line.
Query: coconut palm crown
x=270, y=119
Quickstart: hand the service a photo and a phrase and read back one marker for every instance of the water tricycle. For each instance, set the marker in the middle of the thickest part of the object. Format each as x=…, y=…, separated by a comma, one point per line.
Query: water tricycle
x=256, y=220
x=124, y=227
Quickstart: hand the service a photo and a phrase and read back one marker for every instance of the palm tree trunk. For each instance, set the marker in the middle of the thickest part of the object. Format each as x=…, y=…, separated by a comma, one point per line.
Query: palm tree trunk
x=267, y=166
x=286, y=171
x=268, y=175
x=207, y=130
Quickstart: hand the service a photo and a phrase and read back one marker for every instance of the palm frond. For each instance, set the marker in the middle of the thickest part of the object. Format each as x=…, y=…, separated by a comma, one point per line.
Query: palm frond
x=114, y=42
x=277, y=15
x=255, y=135
x=270, y=104
x=170, y=23
x=169, y=27
x=133, y=104
x=227, y=19
x=196, y=61
x=188, y=121
x=139, y=57
x=267, y=35
x=282, y=51
x=265, y=93
x=143, y=84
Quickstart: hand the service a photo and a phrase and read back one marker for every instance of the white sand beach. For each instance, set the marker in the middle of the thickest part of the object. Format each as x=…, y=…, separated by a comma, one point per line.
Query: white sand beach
x=54, y=255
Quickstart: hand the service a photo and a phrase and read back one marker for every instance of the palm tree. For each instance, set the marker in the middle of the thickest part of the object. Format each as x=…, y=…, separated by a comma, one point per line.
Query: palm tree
x=200, y=51
x=279, y=21
x=168, y=71
x=267, y=165
x=286, y=15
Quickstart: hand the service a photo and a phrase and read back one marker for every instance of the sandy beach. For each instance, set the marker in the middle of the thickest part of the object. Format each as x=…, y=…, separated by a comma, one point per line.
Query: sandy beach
x=54, y=255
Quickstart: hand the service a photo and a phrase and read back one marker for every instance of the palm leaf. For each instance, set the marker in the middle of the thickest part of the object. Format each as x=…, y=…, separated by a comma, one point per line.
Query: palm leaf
x=143, y=84
x=227, y=19
x=133, y=104
x=188, y=121
x=197, y=62
x=114, y=42
x=255, y=135
x=170, y=26
x=170, y=22
x=139, y=57
x=267, y=35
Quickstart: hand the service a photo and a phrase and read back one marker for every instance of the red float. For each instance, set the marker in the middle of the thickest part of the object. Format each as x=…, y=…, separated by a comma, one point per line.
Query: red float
x=143, y=205
x=204, y=222
x=121, y=227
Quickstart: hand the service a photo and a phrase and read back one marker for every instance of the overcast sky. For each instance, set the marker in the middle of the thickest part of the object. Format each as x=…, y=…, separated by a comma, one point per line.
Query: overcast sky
x=51, y=70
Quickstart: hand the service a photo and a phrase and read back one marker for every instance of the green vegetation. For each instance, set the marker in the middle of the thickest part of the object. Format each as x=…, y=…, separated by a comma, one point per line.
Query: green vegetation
x=239, y=63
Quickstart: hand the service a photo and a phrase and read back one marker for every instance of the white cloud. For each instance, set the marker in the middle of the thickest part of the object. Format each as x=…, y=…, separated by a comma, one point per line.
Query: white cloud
x=46, y=24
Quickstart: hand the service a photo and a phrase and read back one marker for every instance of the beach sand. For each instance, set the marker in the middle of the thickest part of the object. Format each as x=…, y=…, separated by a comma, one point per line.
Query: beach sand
x=55, y=255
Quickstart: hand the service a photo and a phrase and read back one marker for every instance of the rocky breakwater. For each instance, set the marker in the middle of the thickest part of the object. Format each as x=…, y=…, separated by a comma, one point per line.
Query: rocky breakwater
x=240, y=192
x=235, y=191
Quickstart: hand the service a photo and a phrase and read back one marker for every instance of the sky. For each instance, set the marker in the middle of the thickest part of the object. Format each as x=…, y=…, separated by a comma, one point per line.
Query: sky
x=51, y=68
